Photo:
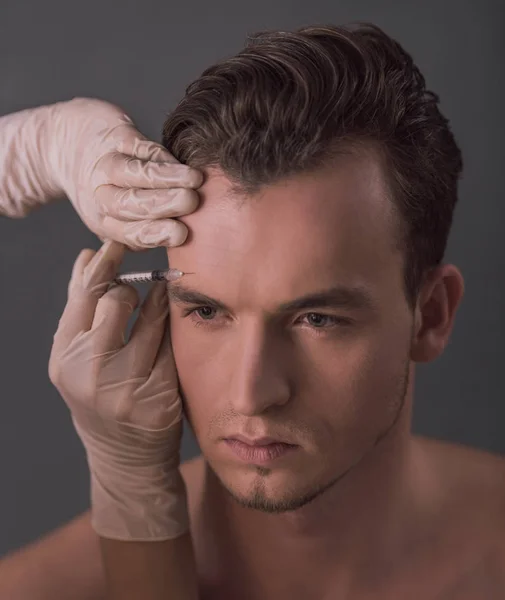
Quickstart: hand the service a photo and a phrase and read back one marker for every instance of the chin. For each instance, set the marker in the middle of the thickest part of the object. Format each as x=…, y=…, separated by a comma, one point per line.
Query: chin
x=268, y=490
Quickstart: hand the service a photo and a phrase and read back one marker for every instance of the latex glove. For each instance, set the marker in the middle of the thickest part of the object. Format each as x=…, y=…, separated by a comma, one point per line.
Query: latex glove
x=124, y=400
x=123, y=186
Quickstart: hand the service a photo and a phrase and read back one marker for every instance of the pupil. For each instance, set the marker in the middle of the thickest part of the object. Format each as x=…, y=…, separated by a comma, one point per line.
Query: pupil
x=316, y=319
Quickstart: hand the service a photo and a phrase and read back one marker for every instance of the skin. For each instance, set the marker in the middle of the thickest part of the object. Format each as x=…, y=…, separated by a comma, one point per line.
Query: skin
x=347, y=507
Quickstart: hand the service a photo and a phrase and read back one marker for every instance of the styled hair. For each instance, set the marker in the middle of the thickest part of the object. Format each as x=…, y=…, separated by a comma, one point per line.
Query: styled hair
x=289, y=102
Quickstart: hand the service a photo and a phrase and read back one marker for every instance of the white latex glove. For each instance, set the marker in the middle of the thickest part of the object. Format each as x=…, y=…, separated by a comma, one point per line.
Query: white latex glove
x=124, y=400
x=124, y=187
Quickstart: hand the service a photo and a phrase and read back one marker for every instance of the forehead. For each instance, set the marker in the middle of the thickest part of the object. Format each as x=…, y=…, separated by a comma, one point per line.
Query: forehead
x=311, y=230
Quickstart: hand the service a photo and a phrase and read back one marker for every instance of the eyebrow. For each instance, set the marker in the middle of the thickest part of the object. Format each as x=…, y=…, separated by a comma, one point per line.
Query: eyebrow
x=342, y=297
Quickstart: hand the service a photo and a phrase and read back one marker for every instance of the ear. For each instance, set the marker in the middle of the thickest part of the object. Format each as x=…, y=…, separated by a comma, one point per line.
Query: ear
x=438, y=300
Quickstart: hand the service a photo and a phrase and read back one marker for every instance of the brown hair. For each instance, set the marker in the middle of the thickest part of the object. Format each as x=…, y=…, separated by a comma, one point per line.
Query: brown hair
x=289, y=101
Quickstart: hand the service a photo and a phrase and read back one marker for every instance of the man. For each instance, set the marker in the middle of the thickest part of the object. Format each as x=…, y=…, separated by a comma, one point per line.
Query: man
x=316, y=285
x=328, y=167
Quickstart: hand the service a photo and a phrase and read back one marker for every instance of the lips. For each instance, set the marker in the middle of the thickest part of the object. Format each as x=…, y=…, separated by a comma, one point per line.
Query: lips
x=261, y=441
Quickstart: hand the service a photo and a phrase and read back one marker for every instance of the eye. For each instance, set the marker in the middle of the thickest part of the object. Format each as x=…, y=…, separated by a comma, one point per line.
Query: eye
x=321, y=321
x=204, y=311
x=200, y=315
x=203, y=315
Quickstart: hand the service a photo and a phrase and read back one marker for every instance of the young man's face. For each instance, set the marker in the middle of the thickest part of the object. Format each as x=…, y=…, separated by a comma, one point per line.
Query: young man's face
x=330, y=379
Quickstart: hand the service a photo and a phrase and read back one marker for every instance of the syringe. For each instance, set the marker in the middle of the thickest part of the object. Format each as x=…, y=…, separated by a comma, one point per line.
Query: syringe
x=147, y=276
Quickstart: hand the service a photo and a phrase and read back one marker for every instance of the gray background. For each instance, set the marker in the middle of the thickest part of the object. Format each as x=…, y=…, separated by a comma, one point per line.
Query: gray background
x=141, y=55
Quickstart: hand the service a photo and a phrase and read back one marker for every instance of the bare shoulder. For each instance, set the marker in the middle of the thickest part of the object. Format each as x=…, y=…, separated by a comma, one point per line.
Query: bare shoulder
x=470, y=486
x=476, y=470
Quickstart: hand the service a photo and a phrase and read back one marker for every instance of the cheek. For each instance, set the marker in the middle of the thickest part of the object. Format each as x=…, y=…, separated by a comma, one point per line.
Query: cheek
x=189, y=357
x=357, y=387
x=188, y=353
x=198, y=371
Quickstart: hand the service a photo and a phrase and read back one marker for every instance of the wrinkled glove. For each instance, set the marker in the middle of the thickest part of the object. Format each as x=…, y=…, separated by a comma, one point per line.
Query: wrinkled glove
x=124, y=400
x=123, y=186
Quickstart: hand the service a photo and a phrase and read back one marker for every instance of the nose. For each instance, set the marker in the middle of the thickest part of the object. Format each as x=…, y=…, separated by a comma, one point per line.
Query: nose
x=260, y=373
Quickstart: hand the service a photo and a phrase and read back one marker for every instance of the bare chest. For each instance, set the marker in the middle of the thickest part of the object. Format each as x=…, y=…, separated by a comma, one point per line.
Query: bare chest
x=468, y=586
x=463, y=574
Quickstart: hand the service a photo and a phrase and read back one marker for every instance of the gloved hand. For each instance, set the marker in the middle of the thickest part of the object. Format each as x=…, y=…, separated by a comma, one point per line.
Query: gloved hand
x=124, y=400
x=123, y=186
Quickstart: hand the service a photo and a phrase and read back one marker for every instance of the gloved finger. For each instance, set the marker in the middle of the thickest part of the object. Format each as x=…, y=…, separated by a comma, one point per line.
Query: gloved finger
x=101, y=269
x=133, y=143
x=138, y=235
x=147, y=332
x=126, y=171
x=91, y=276
x=138, y=204
x=165, y=351
x=164, y=387
x=112, y=314
x=83, y=259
